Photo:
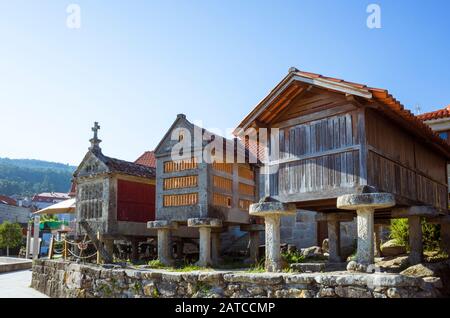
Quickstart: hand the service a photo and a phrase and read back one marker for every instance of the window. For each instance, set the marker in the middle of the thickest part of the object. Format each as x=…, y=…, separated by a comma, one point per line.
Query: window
x=180, y=199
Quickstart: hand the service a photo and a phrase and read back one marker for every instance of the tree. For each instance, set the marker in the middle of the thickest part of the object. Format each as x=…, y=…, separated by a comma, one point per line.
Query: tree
x=10, y=235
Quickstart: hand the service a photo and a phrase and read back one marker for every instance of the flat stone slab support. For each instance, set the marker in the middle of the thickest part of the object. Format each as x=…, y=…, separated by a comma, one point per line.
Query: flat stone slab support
x=272, y=211
x=204, y=227
x=365, y=205
x=253, y=241
x=163, y=228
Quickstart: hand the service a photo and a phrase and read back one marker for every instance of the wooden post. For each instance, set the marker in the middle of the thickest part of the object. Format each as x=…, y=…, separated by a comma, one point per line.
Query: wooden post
x=65, y=248
x=98, y=253
x=107, y=258
x=50, y=247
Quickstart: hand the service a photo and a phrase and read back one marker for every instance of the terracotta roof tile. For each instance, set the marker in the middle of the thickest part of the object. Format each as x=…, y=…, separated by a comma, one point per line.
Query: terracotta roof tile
x=147, y=159
x=383, y=96
x=438, y=114
x=7, y=200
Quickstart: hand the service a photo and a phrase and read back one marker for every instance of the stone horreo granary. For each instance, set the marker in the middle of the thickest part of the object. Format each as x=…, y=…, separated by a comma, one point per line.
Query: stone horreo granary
x=114, y=198
x=346, y=150
x=204, y=186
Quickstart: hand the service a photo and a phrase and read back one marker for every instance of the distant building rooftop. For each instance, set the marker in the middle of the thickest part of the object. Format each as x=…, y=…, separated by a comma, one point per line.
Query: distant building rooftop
x=437, y=114
x=7, y=200
x=147, y=159
x=50, y=197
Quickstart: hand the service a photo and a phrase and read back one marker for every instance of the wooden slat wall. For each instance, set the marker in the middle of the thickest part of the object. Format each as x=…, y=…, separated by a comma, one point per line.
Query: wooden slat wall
x=317, y=174
x=400, y=164
x=391, y=177
x=311, y=102
x=430, y=164
x=389, y=139
x=318, y=136
x=326, y=171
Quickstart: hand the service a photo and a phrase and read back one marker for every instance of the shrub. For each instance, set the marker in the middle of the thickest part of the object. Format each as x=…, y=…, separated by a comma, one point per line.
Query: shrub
x=430, y=234
x=293, y=257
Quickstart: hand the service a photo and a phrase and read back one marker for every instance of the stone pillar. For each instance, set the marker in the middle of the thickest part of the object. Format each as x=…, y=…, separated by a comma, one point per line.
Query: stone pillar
x=272, y=211
x=134, y=249
x=204, y=226
x=36, y=245
x=445, y=237
x=27, y=252
x=415, y=240
x=204, y=247
x=334, y=241
x=163, y=228
x=365, y=205
x=273, y=252
x=180, y=248
x=378, y=233
x=164, y=255
x=254, y=231
x=109, y=246
x=365, y=228
x=215, y=247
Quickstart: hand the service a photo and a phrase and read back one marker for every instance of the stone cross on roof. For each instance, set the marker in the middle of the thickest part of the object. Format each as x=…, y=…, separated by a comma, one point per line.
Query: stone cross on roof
x=95, y=141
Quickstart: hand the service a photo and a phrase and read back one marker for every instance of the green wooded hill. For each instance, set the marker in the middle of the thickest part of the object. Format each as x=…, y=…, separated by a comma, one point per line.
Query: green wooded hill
x=30, y=176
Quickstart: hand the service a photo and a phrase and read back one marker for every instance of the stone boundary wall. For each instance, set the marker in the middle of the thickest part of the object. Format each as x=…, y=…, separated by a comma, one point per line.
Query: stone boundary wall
x=65, y=279
x=11, y=264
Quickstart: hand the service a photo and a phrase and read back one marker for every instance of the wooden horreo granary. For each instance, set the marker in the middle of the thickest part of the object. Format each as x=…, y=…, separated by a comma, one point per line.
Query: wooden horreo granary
x=338, y=139
x=115, y=198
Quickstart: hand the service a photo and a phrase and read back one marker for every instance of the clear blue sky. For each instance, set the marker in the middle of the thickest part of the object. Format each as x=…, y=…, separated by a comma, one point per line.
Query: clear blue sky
x=134, y=65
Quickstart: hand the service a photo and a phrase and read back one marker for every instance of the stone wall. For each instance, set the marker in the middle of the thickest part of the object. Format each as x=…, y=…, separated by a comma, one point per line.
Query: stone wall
x=64, y=279
x=14, y=214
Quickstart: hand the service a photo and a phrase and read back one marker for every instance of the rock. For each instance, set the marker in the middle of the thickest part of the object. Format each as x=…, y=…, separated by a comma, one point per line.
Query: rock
x=434, y=282
x=325, y=245
x=308, y=267
x=396, y=264
x=418, y=270
x=327, y=292
x=352, y=266
x=392, y=248
x=393, y=293
x=313, y=251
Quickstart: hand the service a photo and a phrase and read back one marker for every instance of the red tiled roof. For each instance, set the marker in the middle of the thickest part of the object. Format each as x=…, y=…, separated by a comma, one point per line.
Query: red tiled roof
x=438, y=114
x=7, y=200
x=380, y=95
x=147, y=159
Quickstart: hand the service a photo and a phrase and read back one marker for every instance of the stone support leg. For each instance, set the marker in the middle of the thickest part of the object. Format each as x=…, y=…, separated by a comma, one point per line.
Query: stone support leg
x=415, y=240
x=273, y=253
x=180, y=249
x=205, y=247
x=254, y=246
x=365, y=223
x=215, y=248
x=36, y=245
x=109, y=246
x=334, y=241
x=164, y=247
x=445, y=237
x=134, y=250
x=378, y=232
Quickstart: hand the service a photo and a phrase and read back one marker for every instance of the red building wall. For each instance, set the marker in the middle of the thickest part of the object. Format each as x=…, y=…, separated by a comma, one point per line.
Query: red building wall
x=135, y=201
